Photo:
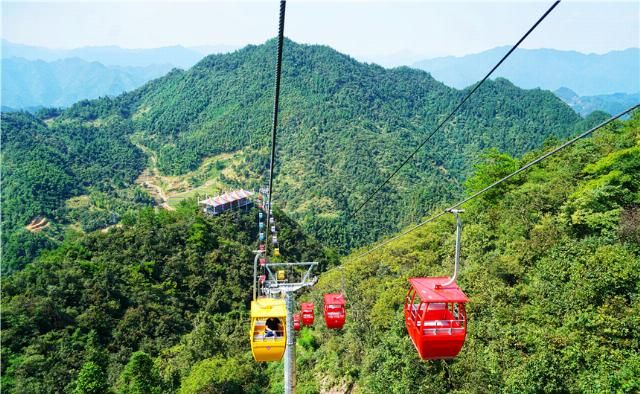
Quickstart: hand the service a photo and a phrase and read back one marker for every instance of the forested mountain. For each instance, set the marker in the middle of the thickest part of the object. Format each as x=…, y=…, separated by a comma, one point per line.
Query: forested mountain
x=344, y=127
x=585, y=74
x=551, y=263
x=35, y=83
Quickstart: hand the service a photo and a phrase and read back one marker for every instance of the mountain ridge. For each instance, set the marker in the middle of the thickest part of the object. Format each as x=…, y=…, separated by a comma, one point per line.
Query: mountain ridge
x=60, y=83
x=113, y=55
x=611, y=103
x=344, y=126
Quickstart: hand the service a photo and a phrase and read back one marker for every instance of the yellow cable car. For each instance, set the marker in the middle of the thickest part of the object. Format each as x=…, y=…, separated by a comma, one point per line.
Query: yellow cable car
x=268, y=333
x=281, y=275
x=276, y=252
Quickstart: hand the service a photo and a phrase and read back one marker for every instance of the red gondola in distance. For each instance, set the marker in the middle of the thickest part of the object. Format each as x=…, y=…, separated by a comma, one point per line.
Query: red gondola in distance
x=334, y=311
x=307, y=313
x=296, y=321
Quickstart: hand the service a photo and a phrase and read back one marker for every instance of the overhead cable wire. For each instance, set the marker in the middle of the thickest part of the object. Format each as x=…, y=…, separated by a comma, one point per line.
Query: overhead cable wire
x=448, y=118
x=506, y=178
x=276, y=101
x=276, y=105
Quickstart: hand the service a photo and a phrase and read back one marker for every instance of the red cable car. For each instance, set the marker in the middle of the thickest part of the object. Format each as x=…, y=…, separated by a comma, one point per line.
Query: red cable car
x=334, y=311
x=434, y=311
x=435, y=317
x=263, y=262
x=307, y=313
x=296, y=321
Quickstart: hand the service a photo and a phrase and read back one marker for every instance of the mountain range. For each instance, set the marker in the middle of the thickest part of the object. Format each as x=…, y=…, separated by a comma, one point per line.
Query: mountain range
x=175, y=56
x=585, y=74
x=157, y=300
x=344, y=126
x=35, y=77
x=60, y=83
x=610, y=103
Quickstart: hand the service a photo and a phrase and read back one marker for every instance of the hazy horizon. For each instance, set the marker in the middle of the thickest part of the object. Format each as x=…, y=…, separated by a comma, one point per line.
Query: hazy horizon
x=366, y=30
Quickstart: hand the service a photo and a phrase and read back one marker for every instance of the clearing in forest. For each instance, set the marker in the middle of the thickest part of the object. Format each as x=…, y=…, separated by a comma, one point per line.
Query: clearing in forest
x=169, y=190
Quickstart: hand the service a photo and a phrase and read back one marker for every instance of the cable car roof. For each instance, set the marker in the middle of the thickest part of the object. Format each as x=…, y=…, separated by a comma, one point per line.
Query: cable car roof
x=426, y=289
x=337, y=299
x=226, y=198
x=268, y=307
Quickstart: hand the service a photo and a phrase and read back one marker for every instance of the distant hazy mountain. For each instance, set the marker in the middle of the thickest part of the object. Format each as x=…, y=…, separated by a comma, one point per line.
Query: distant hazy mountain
x=36, y=83
x=177, y=56
x=611, y=103
x=587, y=75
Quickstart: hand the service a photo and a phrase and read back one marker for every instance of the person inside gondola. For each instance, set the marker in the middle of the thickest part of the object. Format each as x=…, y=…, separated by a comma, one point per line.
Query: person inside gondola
x=272, y=327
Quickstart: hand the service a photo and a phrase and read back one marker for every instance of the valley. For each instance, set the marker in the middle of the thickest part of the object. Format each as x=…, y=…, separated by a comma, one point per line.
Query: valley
x=115, y=281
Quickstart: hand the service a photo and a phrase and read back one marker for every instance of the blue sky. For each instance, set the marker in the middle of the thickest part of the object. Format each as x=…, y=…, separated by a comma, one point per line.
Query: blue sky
x=365, y=29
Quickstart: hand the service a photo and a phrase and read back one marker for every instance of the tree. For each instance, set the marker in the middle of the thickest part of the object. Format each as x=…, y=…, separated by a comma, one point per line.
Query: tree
x=218, y=375
x=139, y=376
x=92, y=379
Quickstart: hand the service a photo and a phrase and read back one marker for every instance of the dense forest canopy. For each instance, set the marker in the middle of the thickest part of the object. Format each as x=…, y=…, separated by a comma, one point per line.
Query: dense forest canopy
x=551, y=263
x=175, y=284
x=345, y=125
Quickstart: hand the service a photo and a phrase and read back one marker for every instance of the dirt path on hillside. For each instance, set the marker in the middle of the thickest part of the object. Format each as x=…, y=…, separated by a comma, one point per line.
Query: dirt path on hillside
x=38, y=224
x=148, y=179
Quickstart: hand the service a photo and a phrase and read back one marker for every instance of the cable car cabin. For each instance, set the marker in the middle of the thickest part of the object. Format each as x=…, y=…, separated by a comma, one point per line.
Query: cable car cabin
x=435, y=317
x=268, y=334
x=307, y=313
x=276, y=252
x=261, y=247
x=281, y=275
x=263, y=262
x=334, y=311
x=296, y=322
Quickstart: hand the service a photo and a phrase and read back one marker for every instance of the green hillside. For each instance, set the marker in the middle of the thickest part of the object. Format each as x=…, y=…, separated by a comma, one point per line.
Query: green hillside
x=344, y=127
x=551, y=262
